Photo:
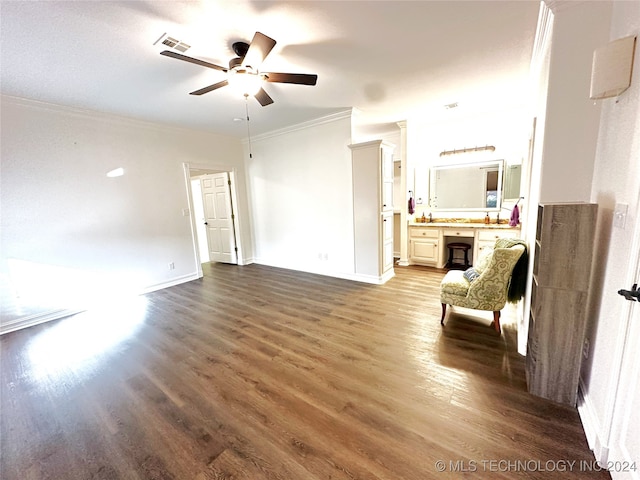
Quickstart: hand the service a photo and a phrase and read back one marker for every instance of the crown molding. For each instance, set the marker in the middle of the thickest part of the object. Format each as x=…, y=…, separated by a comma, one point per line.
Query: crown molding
x=332, y=117
x=102, y=116
x=558, y=5
x=542, y=40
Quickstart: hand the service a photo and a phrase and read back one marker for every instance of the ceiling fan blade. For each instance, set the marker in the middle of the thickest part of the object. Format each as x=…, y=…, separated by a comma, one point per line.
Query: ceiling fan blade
x=169, y=53
x=210, y=88
x=259, y=48
x=263, y=98
x=297, y=78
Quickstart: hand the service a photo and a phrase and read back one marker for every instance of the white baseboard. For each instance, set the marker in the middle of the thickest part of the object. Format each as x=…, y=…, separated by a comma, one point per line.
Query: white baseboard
x=375, y=280
x=48, y=316
x=591, y=425
x=174, y=281
x=31, y=320
x=372, y=279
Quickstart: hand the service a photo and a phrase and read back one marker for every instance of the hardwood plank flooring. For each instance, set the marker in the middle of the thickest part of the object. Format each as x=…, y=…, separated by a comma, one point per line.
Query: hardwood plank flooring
x=258, y=373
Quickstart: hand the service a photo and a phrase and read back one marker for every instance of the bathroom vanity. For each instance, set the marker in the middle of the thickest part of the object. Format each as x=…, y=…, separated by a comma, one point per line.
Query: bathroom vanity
x=428, y=241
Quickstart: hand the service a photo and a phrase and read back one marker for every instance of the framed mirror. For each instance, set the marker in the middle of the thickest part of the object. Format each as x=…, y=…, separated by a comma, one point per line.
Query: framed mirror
x=467, y=186
x=512, y=180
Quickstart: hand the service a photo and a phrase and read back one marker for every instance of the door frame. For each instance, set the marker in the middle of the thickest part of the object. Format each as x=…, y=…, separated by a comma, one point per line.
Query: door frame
x=204, y=169
x=603, y=427
x=233, y=253
x=617, y=408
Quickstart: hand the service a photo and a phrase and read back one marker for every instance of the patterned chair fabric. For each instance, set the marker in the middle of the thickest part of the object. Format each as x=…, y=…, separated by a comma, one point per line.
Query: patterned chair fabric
x=489, y=290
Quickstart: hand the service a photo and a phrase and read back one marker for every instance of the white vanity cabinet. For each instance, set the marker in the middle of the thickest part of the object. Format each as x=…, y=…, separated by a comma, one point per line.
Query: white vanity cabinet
x=423, y=246
x=486, y=239
x=372, y=164
x=428, y=241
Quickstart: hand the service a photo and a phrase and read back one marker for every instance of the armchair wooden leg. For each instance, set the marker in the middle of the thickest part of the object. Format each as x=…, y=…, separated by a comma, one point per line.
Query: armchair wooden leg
x=496, y=321
x=444, y=310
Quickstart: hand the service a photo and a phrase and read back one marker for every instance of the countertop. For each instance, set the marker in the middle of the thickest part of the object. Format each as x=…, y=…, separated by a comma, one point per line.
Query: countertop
x=454, y=224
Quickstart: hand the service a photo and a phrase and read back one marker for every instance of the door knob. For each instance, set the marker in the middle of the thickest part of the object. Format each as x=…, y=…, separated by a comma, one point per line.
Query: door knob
x=632, y=295
x=206, y=223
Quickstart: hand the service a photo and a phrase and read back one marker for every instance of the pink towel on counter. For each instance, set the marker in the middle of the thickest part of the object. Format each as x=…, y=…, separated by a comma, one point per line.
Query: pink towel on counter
x=515, y=216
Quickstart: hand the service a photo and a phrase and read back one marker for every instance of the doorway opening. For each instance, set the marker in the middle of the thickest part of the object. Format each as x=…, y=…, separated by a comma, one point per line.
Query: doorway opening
x=212, y=197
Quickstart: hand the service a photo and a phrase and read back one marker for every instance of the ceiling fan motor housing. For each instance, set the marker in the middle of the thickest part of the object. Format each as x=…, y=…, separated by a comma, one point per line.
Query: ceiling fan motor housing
x=240, y=48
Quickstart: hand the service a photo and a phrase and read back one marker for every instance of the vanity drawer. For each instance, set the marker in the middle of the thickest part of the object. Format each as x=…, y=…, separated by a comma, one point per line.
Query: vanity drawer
x=451, y=232
x=496, y=234
x=424, y=232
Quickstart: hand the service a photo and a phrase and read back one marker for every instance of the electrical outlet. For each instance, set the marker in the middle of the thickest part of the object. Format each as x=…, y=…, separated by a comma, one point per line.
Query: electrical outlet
x=171, y=265
x=585, y=348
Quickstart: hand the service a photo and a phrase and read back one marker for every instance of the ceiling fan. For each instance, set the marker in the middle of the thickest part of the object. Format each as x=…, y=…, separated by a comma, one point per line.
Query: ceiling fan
x=243, y=73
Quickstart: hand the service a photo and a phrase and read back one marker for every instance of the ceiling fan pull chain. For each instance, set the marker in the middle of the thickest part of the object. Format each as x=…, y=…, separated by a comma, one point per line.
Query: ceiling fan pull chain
x=246, y=107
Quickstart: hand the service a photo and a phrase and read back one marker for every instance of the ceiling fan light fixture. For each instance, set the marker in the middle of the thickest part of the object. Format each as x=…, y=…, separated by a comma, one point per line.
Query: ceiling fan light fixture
x=243, y=76
x=244, y=82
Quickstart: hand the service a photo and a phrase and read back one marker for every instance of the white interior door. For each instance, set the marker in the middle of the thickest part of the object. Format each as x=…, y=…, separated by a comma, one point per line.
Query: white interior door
x=216, y=198
x=624, y=457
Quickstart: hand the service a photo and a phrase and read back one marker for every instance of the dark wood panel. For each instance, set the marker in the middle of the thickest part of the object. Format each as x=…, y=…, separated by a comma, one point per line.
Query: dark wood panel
x=261, y=373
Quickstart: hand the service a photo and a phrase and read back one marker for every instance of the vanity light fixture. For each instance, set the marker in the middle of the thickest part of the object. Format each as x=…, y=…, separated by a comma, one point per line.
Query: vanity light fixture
x=489, y=148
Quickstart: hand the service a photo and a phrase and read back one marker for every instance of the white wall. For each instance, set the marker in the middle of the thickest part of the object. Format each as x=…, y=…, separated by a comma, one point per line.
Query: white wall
x=301, y=197
x=572, y=118
x=616, y=179
x=506, y=130
x=61, y=214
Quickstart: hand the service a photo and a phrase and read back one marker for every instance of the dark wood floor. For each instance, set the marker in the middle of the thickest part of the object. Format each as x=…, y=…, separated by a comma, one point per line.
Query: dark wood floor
x=261, y=373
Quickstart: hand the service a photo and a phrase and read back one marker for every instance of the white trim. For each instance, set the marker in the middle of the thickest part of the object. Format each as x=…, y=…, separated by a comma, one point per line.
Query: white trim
x=36, y=319
x=590, y=424
x=404, y=214
x=600, y=433
x=559, y=5
x=170, y=283
x=544, y=31
x=617, y=408
x=192, y=219
x=301, y=126
x=355, y=277
x=105, y=116
x=371, y=279
x=233, y=177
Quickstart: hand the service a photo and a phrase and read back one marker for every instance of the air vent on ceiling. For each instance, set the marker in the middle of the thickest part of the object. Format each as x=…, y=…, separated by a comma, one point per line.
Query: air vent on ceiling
x=173, y=43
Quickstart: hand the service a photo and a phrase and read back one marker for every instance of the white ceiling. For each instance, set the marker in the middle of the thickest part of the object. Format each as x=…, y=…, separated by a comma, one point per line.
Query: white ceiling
x=389, y=59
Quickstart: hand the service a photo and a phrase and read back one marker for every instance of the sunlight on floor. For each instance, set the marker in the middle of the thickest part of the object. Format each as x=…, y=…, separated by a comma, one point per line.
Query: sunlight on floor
x=36, y=284
x=77, y=345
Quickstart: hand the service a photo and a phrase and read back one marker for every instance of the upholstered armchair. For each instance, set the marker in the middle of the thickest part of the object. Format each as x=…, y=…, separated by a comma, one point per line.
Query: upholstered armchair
x=485, y=286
